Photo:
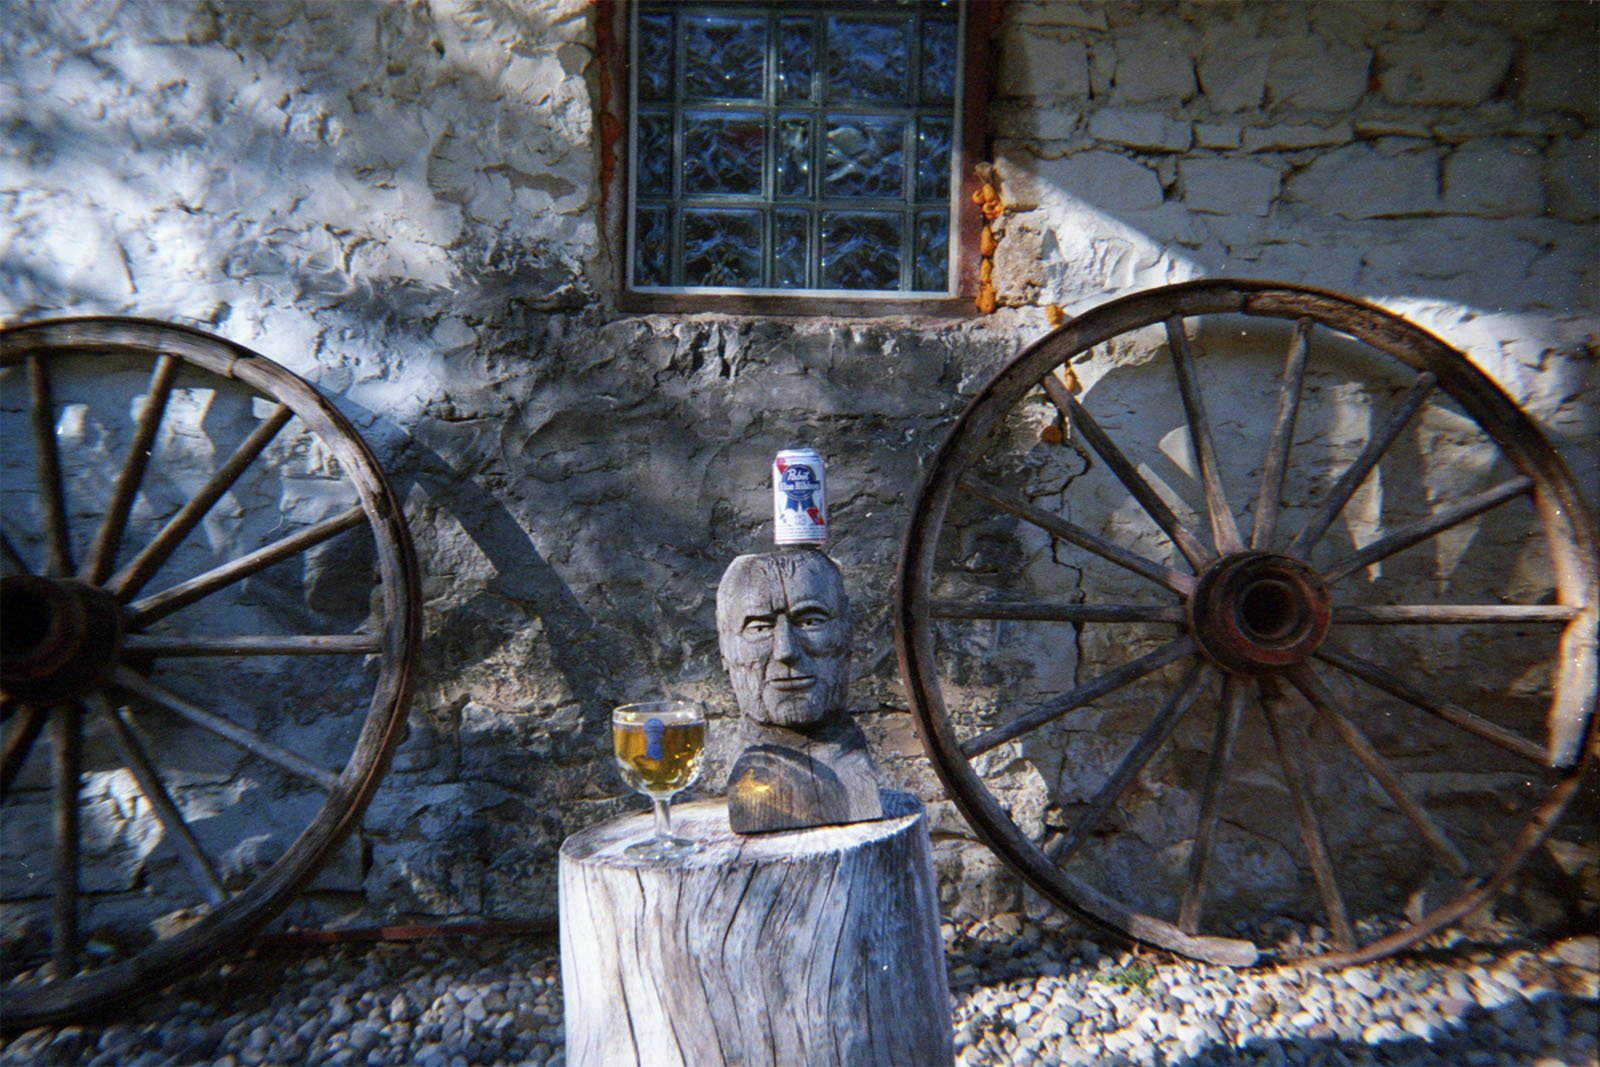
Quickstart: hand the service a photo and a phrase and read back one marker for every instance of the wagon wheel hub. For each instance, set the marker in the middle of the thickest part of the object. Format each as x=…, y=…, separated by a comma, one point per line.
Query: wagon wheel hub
x=60, y=638
x=1257, y=613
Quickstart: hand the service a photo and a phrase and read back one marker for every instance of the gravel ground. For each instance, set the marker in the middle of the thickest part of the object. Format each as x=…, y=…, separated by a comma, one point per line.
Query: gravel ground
x=1020, y=994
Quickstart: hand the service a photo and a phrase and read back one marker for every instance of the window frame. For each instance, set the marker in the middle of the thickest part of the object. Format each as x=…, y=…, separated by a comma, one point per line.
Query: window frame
x=613, y=19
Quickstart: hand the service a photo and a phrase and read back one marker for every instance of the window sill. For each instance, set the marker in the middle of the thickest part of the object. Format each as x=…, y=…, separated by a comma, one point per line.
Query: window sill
x=776, y=306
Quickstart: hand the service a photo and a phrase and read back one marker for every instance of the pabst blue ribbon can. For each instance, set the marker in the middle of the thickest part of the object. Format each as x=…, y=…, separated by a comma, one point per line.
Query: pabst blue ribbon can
x=799, y=497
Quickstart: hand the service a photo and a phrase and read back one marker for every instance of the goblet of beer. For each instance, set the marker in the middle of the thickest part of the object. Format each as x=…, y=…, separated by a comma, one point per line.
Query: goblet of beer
x=659, y=745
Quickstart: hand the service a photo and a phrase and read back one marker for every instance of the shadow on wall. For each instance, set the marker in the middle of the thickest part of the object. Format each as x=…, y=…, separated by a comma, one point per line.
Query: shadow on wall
x=297, y=158
x=511, y=720
x=350, y=188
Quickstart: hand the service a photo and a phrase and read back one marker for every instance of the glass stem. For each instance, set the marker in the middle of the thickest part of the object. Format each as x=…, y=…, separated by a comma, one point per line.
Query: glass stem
x=663, y=817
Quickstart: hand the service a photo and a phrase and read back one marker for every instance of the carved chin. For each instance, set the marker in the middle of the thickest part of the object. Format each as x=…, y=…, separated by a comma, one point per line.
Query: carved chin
x=794, y=709
x=816, y=704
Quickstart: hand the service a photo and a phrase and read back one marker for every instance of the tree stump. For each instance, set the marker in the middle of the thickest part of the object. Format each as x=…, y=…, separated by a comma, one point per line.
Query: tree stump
x=810, y=947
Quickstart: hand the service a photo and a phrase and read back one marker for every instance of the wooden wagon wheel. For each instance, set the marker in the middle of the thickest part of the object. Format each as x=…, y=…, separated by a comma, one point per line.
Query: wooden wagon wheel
x=1329, y=686
x=178, y=762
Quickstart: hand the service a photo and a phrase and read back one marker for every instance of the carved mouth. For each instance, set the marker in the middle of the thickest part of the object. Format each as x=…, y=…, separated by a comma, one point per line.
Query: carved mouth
x=798, y=683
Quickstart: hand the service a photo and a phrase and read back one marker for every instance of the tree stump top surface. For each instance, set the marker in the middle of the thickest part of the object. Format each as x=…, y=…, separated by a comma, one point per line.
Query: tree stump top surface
x=706, y=821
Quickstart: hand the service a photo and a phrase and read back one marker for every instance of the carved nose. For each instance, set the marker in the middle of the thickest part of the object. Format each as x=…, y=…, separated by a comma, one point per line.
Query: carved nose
x=784, y=647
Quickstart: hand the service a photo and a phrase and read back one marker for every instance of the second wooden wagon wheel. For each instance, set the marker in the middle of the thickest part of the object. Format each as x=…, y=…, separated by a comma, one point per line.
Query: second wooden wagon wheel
x=1330, y=616
x=210, y=614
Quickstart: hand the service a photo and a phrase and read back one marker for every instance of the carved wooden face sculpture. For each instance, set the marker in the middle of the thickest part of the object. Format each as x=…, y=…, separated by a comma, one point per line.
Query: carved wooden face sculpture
x=783, y=623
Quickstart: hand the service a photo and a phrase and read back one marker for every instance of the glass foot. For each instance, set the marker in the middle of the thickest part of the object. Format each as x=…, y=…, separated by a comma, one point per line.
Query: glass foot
x=662, y=848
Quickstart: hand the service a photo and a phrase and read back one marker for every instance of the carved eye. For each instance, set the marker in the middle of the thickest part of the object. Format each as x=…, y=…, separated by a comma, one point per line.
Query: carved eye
x=812, y=620
x=758, y=628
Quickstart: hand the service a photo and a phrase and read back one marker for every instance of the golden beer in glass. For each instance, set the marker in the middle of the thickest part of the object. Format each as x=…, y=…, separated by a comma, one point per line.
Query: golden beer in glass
x=659, y=746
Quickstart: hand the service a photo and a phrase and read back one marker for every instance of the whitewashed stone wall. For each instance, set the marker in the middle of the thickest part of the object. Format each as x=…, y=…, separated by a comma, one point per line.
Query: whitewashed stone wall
x=401, y=202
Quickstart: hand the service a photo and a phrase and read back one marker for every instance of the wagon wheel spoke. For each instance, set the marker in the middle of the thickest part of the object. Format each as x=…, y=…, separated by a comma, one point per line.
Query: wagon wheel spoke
x=1446, y=614
x=1077, y=535
x=1311, y=835
x=252, y=645
x=132, y=578
x=1106, y=683
x=15, y=564
x=103, y=556
x=252, y=742
x=19, y=743
x=1155, y=735
x=47, y=465
x=1357, y=472
x=1003, y=609
x=1449, y=712
x=1192, y=548
x=199, y=867
x=1317, y=694
x=1224, y=530
x=1230, y=711
x=1269, y=498
x=1437, y=523
x=66, y=737
x=145, y=611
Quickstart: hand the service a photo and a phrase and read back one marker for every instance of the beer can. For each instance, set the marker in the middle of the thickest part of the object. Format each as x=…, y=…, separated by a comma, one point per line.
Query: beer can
x=799, y=497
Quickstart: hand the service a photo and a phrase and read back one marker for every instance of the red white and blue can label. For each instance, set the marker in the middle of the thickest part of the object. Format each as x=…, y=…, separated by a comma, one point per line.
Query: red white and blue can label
x=799, y=497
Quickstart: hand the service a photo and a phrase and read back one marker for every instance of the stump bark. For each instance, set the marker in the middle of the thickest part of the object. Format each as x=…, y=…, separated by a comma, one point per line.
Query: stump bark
x=813, y=947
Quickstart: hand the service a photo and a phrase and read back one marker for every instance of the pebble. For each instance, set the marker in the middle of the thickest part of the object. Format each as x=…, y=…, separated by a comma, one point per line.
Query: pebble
x=1363, y=983
x=1263, y=1004
x=1021, y=993
x=1582, y=952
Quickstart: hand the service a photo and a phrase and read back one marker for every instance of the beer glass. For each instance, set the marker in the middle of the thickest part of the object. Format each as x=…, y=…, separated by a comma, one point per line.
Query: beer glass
x=659, y=745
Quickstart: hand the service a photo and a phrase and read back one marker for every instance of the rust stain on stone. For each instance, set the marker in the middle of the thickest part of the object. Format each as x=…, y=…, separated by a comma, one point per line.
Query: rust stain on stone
x=987, y=197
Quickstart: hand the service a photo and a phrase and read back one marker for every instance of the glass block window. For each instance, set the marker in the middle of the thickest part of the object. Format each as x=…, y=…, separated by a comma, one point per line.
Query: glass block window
x=785, y=147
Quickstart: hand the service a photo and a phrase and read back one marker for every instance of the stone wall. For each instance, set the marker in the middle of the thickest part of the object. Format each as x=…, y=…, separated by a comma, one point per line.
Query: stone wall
x=403, y=204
